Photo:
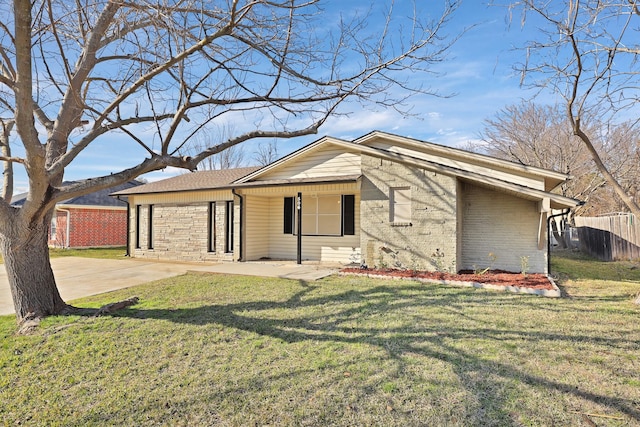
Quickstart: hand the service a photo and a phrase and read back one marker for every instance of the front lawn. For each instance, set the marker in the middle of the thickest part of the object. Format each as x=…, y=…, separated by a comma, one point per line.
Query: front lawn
x=243, y=351
x=104, y=253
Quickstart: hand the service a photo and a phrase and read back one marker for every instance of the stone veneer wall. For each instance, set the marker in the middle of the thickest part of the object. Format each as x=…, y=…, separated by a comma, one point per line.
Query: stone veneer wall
x=180, y=232
x=430, y=241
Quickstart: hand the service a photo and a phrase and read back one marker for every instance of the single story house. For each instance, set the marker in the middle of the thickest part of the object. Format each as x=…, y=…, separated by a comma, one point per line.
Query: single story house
x=382, y=200
x=93, y=220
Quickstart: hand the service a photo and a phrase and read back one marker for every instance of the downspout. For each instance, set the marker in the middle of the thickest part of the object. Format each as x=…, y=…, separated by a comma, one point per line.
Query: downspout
x=549, y=218
x=68, y=227
x=241, y=248
x=127, y=253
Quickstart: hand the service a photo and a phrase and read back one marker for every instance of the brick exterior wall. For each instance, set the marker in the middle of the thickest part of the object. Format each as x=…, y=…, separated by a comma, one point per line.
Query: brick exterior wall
x=429, y=241
x=180, y=232
x=90, y=228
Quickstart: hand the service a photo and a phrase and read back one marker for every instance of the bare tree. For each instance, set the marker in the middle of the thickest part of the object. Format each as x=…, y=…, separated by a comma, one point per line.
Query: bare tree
x=587, y=54
x=538, y=135
x=72, y=72
x=266, y=153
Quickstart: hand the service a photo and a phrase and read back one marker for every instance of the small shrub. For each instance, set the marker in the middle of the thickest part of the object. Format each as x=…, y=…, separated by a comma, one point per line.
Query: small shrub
x=356, y=257
x=437, y=259
x=524, y=265
x=381, y=261
x=492, y=260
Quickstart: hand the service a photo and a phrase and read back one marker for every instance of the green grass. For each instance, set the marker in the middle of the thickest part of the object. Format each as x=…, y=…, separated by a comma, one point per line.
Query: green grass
x=105, y=253
x=583, y=275
x=576, y=265
x=242, y=351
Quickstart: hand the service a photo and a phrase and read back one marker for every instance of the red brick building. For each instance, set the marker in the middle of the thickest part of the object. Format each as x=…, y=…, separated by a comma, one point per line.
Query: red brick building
x=92, y=220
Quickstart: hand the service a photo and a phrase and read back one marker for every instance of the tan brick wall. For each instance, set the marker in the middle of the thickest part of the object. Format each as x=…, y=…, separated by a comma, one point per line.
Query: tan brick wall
x=429, y=242
x=180, y=232
x=498, y=230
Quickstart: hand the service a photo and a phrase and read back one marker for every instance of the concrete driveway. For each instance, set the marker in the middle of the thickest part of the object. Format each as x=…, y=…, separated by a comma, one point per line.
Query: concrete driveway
x=80, y=277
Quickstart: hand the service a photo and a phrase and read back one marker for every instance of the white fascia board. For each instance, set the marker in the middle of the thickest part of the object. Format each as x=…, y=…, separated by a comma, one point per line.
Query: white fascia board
x=461, y=173
x=441, y=149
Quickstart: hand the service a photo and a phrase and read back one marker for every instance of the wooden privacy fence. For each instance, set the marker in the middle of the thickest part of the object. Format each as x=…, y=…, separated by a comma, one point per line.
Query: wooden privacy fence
x=609, y=238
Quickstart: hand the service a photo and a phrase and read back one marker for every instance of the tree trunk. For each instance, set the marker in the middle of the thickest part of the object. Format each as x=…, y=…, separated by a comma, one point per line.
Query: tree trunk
x=627, y=199
x=31, y=280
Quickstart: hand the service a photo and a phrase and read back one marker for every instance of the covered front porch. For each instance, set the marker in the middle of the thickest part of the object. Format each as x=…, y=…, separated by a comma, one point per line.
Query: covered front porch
x=267, y=216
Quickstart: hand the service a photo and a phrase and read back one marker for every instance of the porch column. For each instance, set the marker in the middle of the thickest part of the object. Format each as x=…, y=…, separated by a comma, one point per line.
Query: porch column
x=299, y=211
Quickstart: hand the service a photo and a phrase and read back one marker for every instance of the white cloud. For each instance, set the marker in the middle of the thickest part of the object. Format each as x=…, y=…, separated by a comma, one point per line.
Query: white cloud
x=360, y=123
x=168, y=172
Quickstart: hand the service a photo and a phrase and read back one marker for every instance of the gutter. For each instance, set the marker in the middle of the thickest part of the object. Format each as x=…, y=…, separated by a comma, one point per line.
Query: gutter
x=240, y=234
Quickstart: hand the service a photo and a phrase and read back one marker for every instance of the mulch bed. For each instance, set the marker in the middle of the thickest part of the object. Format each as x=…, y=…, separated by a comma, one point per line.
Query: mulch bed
x=493, y=277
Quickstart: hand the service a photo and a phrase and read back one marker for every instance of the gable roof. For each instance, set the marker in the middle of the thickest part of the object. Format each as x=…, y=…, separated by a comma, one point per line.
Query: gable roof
x=429, y=151
x=557, y=201
x=523, y=181
x=201, y=180
x=475, y=168
x=96, y=198
x=551, y=178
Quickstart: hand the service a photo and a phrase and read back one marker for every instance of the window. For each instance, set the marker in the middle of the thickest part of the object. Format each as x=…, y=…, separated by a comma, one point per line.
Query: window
x=324, y=215
x=137, y=226
x=321, y=215
x=150, y=229
x=400, y=209
x=229, y=227
x=211, y=239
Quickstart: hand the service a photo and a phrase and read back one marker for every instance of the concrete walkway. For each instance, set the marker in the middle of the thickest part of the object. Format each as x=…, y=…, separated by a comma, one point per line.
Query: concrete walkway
x=80, y=277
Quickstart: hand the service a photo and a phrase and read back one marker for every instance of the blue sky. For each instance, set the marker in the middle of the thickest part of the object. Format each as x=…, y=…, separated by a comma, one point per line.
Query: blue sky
x=478, y=69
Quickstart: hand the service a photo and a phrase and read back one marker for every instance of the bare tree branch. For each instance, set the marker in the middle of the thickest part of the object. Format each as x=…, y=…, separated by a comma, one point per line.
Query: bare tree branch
x=586, y=53
x=154, y=75
x=7, y=160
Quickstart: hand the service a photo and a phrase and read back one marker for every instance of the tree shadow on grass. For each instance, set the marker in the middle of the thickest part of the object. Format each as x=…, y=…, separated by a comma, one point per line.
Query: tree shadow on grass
x=346, y=318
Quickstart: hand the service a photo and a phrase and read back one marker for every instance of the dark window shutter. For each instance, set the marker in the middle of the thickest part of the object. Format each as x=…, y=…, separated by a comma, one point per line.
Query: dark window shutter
x=348, y=215
x=288, y=215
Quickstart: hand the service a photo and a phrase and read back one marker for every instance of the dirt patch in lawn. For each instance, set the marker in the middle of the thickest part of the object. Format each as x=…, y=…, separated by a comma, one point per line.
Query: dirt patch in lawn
x=491, y=277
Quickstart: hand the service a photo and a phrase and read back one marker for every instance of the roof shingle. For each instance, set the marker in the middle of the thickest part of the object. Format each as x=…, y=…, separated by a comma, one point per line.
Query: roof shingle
x=201, y=180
